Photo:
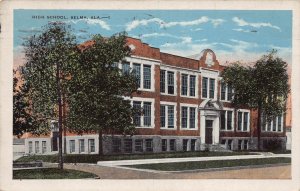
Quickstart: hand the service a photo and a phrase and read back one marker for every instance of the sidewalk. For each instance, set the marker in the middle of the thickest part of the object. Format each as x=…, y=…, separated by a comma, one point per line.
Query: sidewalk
x=187, y=159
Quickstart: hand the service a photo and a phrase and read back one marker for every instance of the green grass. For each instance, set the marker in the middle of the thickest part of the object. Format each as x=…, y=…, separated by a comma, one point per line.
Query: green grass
x=86, y=158
x=179, y=166
x=50, y=173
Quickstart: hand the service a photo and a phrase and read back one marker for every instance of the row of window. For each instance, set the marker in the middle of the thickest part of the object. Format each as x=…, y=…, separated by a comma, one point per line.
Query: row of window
x=81, y=146
x=37, y=147
x=243, y=144
x=274, y=126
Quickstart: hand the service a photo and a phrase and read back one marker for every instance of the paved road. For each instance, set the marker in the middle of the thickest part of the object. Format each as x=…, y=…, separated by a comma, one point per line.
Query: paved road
x=105, y=172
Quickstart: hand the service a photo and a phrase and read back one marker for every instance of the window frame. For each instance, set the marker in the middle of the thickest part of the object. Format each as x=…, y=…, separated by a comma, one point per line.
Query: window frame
x=81, y=142
x=208, y=89
x=188, y=75
x=165, y=81
x=91, y=147
x=226, y=119
x=189, y=116
x=243, y=111
x=143, y=100
x=226, y=92
x=71, y=144
x=265, y=129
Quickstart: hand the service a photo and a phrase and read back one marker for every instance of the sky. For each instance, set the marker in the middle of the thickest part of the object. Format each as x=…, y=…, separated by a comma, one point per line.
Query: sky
x=233, y=35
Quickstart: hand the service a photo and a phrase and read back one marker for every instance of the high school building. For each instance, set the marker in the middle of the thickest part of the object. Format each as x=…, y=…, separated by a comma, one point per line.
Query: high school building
x=185, y=106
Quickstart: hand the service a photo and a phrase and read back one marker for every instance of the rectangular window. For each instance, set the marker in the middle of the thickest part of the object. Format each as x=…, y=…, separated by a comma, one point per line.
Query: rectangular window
x=125, y=67
x=223, y=120
x=240, y=119
x=184, y=117
x=147, y=77
x=192, y=85
x=240, y=144
x=44, y=147
x=229, y=120
x=163, y=116
x=139, y=145
x=192, y=117
x=204, y=87
x=184, y=84
x=170, y=82
x=223, y=91
x=91, y=144
x=279, y=118
x=274, y=125
x=81, y=146
x=245, y=147
x=229, y=144
x=193, y=144
x=162, y=81
x=137, y=115
x=229, y=93
x=172, y=145
x=211, y=88
x=185, y=144
x=170, y=116
x=30, y=146
x=245, y=127
x=116, y=145
x=137, y=73
x=128, y=145
x=37, y=146
x=147, y=114
x=72, y=146
x=149, y=145
x=164, y=145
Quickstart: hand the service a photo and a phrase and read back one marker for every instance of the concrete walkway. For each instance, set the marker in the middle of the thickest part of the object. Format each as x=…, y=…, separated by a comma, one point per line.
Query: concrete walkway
x=187, y=159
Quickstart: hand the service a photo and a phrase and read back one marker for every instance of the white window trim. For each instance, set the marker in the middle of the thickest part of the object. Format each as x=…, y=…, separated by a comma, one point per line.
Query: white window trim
x=242, y=144
x=165, y=103
x=166, y=69
x=188, y=116
x=232, y=121
x=89, y=145
x=188, y=73
x=249, y=116
x=226, y=93
x=79, y=146
x=152, y=100
x=210, y=74
x=142, y=62
x=271, y=131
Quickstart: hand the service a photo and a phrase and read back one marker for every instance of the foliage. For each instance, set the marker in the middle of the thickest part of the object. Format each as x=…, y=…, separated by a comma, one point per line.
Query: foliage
x=51, y=173
x=97, y=89
x=265, y=85
x=44, y=52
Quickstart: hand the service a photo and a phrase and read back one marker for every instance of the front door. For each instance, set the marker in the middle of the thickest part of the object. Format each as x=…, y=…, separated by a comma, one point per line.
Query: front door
x=208, y=131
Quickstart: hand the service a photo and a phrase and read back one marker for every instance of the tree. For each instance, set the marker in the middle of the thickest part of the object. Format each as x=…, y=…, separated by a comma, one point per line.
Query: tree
x=49, y=58
x=97, y=89
x=263, y=87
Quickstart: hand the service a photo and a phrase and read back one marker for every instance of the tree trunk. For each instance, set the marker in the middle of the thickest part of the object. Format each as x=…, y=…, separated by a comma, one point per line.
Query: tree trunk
x=60, y=129
x=100, y=150
x=258, y=127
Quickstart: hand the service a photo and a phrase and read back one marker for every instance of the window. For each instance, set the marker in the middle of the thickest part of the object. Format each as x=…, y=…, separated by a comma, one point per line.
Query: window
x=188, y=117
x=139, y=145
x=184, y=84
x=137, y=115
x=185, y=144
x=81, y=146
x=147, y=77
x=137, y=72
x=208, y=87
x=242, y=144
x=170, y=82
x=147, y=114
x=44, y=147
x=184, y=117
x=274, y=125
x=143, y=114
x=72, y=146
x=229, y=144
x=125, y=67
x=116, y=145
x=188, y=85
x=227, y=120
x=30, y=146
x=243, y=121
x=226, y=92
x=149, y=145
x=164, y=145
x=37, y=147
x=167, y=110
x=128, y=145
x=162, y=81
x=245, y=146
x=172, y=145
x=91, y=144
x=193, y=144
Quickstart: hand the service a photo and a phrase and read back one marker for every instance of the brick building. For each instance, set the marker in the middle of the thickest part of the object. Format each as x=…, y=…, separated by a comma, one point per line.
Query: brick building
x=185, y=106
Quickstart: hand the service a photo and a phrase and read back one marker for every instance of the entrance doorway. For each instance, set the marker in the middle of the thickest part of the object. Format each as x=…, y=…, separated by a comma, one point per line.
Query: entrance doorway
x=208, y=131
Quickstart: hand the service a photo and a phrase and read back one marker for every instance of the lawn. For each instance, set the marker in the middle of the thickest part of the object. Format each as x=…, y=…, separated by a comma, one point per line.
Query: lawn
x=179, y=166
x=87, y=158
x=50, y=173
